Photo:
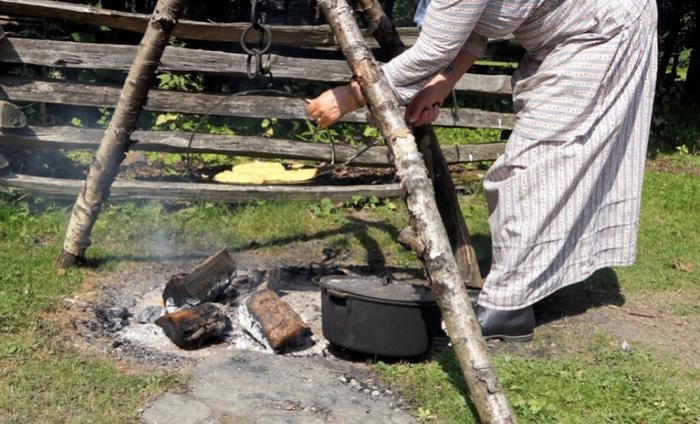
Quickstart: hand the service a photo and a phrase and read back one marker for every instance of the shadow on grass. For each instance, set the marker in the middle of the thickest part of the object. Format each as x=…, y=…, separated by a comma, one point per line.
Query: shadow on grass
x=374, y=255
x=601, y=288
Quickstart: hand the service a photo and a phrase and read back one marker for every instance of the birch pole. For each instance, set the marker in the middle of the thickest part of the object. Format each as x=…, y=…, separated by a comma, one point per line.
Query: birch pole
x=116, y=140
x=480, y=375
x=384, y=31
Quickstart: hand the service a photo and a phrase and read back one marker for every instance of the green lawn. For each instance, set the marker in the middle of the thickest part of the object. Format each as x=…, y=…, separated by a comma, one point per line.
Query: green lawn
x=42, y=379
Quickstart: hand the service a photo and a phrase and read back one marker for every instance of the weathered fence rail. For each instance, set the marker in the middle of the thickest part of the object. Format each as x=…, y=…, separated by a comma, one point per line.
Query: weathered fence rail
x=81, y=55
x=61, y=188
x=55, y=137
x=293, y=36
x=101, y=95
x=65, y=54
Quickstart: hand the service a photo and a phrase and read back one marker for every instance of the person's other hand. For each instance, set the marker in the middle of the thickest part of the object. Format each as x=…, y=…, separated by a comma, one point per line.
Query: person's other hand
x=332, y=105
x=425, y=107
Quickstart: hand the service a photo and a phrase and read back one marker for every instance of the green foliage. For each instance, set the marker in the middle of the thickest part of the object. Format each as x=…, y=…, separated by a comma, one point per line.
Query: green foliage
x=77, y=122
x=105, y=117
x=324, y=207
x=268, y=126
x=371, y=202
x=314, y=134
x=80, y=156
x=458, y=136
x=674, y=128
x=180, y=82
x=83, y=37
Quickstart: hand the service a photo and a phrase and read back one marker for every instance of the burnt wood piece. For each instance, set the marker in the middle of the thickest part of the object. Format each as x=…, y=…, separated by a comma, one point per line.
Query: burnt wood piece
x=441, y=268
x=59, y=188
x=58, y=137
x=283, y=35
x=190, y=328
x=102, y=95
x=280, y=325
x=210, y=281
x=115, y=143
x=437, y=164
x=67, y=54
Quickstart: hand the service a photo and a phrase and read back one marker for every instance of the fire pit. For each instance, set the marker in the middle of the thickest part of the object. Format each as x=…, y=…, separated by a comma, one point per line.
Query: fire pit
x=173, y=312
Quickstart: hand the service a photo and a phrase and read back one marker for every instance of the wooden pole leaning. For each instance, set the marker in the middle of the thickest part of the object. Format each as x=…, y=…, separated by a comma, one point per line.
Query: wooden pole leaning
x=116, y=140
x=384, y=32
x=417, y=190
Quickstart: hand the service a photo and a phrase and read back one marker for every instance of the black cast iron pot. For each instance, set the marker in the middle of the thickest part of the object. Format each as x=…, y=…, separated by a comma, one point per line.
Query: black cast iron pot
x=369, y=315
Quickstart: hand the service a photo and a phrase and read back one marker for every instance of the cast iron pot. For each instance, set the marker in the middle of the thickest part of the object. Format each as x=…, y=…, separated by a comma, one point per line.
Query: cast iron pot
x=369, y=315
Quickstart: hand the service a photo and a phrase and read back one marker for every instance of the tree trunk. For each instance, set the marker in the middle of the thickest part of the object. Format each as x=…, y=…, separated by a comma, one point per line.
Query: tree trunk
x=486, y=392
x=116, y=140
x=692, y=79
x=384, y=31
x=670, y=41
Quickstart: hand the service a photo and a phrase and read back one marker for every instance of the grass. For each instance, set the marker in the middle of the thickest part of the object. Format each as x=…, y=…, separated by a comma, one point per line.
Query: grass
x=42, y=379
x=605, y=386
x=601, y=384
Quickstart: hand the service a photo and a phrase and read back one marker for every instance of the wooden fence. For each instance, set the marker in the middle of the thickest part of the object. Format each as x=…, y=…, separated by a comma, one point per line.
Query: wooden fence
x=15, y=50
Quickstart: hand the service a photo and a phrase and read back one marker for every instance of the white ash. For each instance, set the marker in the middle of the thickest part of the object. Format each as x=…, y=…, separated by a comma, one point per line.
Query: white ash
x=252, y=327
x=142, y=299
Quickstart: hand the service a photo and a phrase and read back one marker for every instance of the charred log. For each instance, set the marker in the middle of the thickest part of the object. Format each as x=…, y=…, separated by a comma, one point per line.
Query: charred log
x=190, y=328
x=271, y=321
x=208, y=282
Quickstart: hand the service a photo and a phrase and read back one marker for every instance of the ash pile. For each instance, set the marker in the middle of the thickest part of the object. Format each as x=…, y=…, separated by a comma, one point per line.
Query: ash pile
x=220, y=304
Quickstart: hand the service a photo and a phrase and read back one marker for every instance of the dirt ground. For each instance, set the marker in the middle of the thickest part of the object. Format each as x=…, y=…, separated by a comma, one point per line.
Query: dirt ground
x=567, y=321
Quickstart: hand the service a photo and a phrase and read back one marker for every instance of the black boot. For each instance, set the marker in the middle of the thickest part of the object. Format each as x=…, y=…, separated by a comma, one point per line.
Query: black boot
x=518, y=325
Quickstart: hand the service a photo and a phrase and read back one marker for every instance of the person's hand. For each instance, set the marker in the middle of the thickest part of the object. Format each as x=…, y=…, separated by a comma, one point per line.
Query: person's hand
x=425, y=107
x=333, y=104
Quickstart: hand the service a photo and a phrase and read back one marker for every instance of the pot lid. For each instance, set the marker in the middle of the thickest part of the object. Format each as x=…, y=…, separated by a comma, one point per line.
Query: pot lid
x=380, y=289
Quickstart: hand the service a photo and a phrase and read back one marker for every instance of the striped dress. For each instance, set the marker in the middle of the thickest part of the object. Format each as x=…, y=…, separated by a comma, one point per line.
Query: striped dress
x=564, y=198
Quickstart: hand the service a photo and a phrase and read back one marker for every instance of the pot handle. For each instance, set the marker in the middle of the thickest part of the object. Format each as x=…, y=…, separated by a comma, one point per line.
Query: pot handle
x=337, y=294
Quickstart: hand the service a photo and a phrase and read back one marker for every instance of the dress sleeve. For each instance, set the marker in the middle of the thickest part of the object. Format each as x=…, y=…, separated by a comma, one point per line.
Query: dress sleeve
x=446, y=27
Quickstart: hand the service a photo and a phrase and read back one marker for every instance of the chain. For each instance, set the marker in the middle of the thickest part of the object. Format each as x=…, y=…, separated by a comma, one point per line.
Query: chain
x=258, y=66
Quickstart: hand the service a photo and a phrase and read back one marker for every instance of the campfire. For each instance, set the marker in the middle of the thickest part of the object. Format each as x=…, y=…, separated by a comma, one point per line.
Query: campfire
x=221, y=302
x=171, y=312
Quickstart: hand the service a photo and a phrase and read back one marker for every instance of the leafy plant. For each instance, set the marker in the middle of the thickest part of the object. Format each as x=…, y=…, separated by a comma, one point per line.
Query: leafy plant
x=324, y=207
x=371, y=202
x=268, y=125
x=180, y=82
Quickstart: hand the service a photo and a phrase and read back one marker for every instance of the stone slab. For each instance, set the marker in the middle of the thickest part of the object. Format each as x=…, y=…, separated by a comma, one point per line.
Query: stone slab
x=245, y=386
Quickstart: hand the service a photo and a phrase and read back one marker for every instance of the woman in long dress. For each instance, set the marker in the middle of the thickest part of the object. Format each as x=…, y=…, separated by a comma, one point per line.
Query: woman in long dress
x=564, y=198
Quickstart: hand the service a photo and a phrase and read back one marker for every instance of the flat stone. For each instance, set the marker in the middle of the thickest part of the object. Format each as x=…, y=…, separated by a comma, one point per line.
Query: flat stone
x=261, y=388
x=177, y=408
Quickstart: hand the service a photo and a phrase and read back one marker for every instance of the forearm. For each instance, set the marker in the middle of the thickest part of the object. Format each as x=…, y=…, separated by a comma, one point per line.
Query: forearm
x=460, y=65
x=448, y=24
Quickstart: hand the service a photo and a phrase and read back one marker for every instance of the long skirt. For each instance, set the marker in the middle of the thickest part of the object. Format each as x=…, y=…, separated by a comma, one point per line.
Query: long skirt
x=564, y=198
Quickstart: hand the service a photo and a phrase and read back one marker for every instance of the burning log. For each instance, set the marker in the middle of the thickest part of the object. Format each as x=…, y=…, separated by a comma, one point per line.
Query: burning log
x=190, y=328
x=208, y=282
x=271, y=321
